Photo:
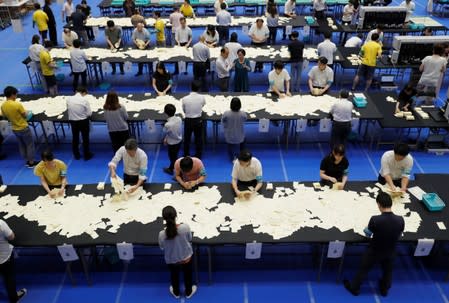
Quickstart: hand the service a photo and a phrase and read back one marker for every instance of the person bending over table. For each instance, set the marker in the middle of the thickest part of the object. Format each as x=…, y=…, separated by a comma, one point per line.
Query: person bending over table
x=161, y=80
x=211, y=36
x=141, y=39
x=246, y=172
x=259, y=34
x=378, y=30
x=190, y=172
x=113, y=35
x=396, y=166
x=334, y=168
x=406, y=98
x=279, y=80
x=320, y=78
x=68, y=36
x=135, y=163
x=52, y=173
x=187, y=10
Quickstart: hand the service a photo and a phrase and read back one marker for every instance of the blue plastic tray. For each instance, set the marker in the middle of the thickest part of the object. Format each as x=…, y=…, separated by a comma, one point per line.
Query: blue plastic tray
x=433, y=202
x=360, y=102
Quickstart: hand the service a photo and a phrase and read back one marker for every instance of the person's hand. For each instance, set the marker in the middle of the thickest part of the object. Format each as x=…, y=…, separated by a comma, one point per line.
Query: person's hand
x=281, y=95
x=186, y=185
x=132, y=189
x=52, y=194
x=113, y=175
x=403, y=190
x=165, y=141
x=61, y=192
x=341, y=186
x=332, y=179
x=160, y=93
x=289, y=94
x=247, y=195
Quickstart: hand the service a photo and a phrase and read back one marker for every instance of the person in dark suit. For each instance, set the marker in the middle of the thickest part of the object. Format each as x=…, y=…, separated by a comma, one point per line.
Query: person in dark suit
x=51, y=22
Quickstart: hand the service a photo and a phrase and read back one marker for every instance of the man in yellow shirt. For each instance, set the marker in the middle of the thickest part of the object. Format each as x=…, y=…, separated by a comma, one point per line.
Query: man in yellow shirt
x=187, y=10
x=16, y=114
x=52, y=173
x=370, y=52
x=48, y=68
x=159, y=26
x=41, y=19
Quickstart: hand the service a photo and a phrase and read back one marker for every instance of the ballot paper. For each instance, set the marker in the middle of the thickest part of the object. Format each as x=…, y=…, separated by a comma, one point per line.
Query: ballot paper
x=67, y=252
x=167, y=186
x=78, y=187
x=100, y=186
x=125, y=251
x=118, y=185
x=417, y=192
x=441, y=225
x=269, y=186
x=424, y=247
x=335, y=249
x=2, y=188
x=253, y=250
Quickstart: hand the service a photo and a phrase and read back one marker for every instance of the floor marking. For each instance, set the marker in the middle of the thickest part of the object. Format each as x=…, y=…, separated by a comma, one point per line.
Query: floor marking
x=284, y=170
x=59, y=290
x=437, y=285
x=122, y=283
x=373, y=288
x=156, y=156
x=310, y=291
x=418, y=165
x=245, y=293
x=371, y=163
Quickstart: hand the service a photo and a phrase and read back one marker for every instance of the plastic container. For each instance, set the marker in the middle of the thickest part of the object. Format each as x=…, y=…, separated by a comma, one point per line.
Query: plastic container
x=433, y=202
x=360, y=102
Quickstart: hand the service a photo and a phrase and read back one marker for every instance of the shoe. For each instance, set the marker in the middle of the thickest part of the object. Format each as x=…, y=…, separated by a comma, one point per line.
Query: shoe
x=113, y=72
x=21, y=293
x=122, y=72
x=348, y=287
x=77, y=157
x=173, y=293
x=194, y=288
x=383, y=290
x=2, y=156
x=138, y=74
x=32, y=164
x=88, y=156
x=168, y=170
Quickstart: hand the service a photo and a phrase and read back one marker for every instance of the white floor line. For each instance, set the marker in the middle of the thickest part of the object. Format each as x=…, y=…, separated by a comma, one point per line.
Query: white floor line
x=58, y=291
x=245, y=293
x=17, y=175
x=284, y=170
x=421, y=170
x=156, y=156
x=373, y=288
x=376, y=173
x=440, y=290
x=122, y=283
x=106, y=177
x=321, y=149
x=437, y=285
x=310, y=292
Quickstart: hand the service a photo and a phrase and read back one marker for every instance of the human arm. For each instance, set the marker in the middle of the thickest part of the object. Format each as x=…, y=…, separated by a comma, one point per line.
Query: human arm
x=323, y=176
x=153, y=82
x=190, y=38
x=115, y=160
x=143, y=166
x=310, y=82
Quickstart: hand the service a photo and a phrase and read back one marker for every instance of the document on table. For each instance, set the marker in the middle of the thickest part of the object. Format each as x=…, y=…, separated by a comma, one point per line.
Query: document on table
x=417, y=192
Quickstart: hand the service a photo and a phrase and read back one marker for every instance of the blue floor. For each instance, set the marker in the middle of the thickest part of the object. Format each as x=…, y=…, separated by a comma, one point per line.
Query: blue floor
x=282, y=275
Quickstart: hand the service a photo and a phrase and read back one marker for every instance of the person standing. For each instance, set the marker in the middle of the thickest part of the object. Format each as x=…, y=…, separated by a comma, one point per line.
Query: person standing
x=113, y=35
x=137, y=18
x=190, y=172
x=7, y=269
x=433, y=68
x=79, y=111
x=176, y=240
x=34, y=52
x=341, y=112
x=233, y=46
x=129, y=7
x=175, y=21
x=246, y=172
x=16, y=114
x=327, y=48
x=289, y=12
x=78, y=60
x=187, y=10
x=354, y=41
x=116, y=118
x=348, y=13
x=396, y=167
x=386, y=229
x=410, y=6
x=319, y=9
x=48, y=67
x=79, y=24
x=224, y=20
x=135, y=164
x=67, y=10
x=173, y=136
x=370, y=51
x=159, y=27
x=320, y=78
x=296, y=49
x=201, y=56
x=234, y=128
x=223, y=67
x=279, y=80
x=141, y=39
x=192, y=105
x=161, y=80
x=218, y=6
x=51, y=23
x=272, y=23
x=379, y=30
x=40, y=18
x=242, y=68
x=87, y=12
x=334, y=168
x=259, y=34
x=52, y=174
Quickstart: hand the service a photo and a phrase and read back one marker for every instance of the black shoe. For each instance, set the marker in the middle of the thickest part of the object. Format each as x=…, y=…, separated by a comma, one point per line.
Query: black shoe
x=31, y=164
x=168, y=170
x=138, y=74
x=88, y=156
x=2, y=156
x=348, y=287
x=113, y=72
x=77, y=157
x=21, y=293
x=383, y=290
x=122, y=72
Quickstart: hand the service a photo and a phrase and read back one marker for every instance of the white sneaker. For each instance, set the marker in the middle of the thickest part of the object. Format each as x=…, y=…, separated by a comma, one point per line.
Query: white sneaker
x=173, y=293
x=194, y=288
x=21, y=293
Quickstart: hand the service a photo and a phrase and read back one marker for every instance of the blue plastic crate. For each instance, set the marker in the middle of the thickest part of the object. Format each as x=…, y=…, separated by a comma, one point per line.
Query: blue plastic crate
x=360, y=102
x=433, y=202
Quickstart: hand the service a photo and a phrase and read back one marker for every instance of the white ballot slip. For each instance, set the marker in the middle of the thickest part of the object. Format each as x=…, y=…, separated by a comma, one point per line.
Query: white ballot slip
x=440, y=225
x=125, y=251
x=424, y=247
x=335, y=249
x=252, y=64
x=325, y=125
x=417, y=192
x=67, y=252
x=253, y=250
x=305, y=64
x=288, y=29
x=264, y=125
x=301, y=125
x=245, y=29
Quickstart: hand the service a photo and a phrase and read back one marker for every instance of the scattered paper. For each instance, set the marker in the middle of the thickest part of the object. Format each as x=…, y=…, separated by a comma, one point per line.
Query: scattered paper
x=441, y=225
x=78, y=187
x=167, y=186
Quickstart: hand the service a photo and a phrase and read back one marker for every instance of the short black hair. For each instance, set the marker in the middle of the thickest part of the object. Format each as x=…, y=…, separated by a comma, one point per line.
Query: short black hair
x=223, y=5
x=236, y=104
x=278, y=64
x=380, y=26
x=37, y=6
x=438, y=49
x=76, y=43
x=294, y=34
x=81, y=89
x=157, y=14
x=79, y=7
x=196, y=85
x=322, y=60
x=339, y=149
x=169, y=110
x=234, y=37
x=327, y=34
x=241, y=50
x=384, y=200
x=36, y=39
x=344, y=94
x=223, y=50
x=210, y=28
x=48, y=44
x=259, y=19
x=110, y=23
x=131, y=144
x=245, y=155
x=10, y=91
x=375, y=37
x=47, y=155
x=186, y=164
x=401, y=149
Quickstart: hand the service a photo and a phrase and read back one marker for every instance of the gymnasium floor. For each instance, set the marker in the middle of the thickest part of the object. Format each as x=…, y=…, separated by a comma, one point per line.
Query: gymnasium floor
x=286, y=273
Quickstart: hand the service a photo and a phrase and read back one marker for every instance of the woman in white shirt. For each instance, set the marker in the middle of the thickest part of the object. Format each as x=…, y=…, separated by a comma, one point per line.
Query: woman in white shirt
x=348, y=13
x=211, y=36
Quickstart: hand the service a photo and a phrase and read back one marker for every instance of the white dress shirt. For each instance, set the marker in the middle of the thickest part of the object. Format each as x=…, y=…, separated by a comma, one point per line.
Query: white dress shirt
x=174, y=20
x=247, y=173
x=354, y=41
x=34, y=51
x=278, y=80
x=224, y=18
x=410, y=9
x=327, y=49
x=5, y=247
x=133, y=166
x=201, y=52
x=78, y=108
x=290, y=7
x=396, y=169
x=68, y=39
x=172, y=130
x=342, y=110
x=192, y=105
x=233, y=47
x=223, y=67
x=78, y=60
x=183, y=35
x=260, y=33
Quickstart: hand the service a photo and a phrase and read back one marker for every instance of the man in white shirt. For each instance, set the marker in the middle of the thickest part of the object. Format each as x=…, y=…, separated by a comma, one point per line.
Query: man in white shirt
x=341, y=112
x=192, y=105
x=290, y=8
x=175, y=22
x=410, y=6
x=78, y=60
x=279, y=80
x=201, y=56
x=135, y=162
x=259, y=33
x=246, y=172
x=223, y=67
x=224, y=20
x=233, y=46
x=68, y=36
x=354, y=41
x=34, y=52
x=380, y=31
x=327, y=48
x=67, y=10
x=396, y=167
x=320, y=78
x=79, y=111
x=7, y=263
x=183, y=35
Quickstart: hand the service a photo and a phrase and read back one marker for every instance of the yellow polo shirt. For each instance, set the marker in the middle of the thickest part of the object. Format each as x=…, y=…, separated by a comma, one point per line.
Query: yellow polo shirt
x=370, y=51
x=187, y=11
x=53, y=175
x=159, y=25
x=13, y=111
x=45, y=59
x=41, y=19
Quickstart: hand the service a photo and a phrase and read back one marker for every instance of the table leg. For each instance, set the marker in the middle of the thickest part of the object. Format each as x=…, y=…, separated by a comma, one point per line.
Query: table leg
x=323, y=247
x=84, y=265
x=209, y=264
x=68, y=269
x=340, y=267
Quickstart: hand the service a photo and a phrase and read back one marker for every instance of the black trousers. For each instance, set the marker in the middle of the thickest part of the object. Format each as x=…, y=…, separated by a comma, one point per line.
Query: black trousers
x=223, y=84
x=52, y=33
x=175, y=270
x=259, y=65
x=382, y=181
x=76, y=77
x=273, y=33
x=244, y=185
x=234, y=150
x=130, y=180
x=9, y=278
x=199, y=73
x=223, y=33
x=44, y=35
x=120, y=65
x=118, y=139
x=81, y=126
x=173, y=151
x=340, y=132
x=369, y=259
x=195, y=126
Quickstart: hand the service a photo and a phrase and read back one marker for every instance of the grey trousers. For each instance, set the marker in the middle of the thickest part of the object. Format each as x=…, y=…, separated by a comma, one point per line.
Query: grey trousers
x=26, y=144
